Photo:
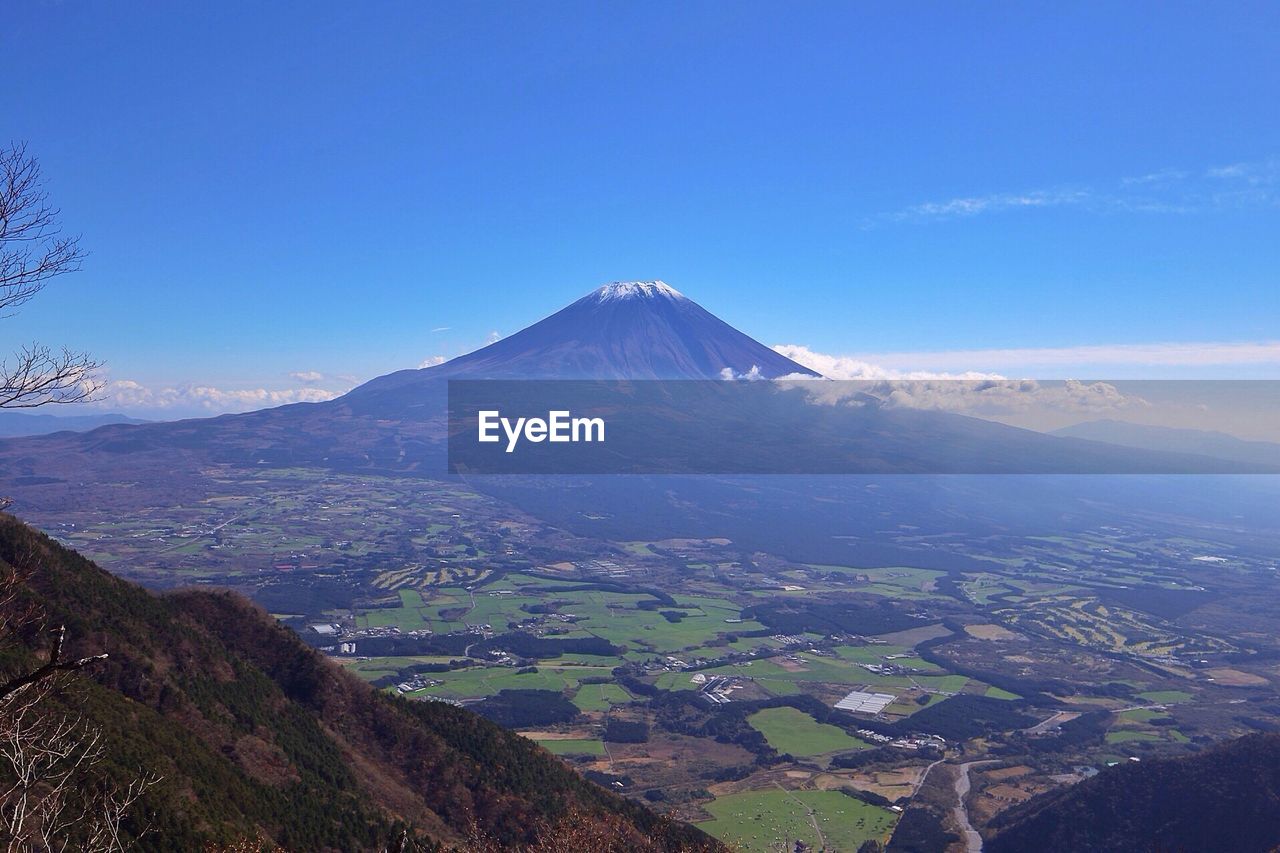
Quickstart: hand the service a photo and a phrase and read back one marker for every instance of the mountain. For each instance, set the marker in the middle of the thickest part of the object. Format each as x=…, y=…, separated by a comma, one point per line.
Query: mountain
x=1226, y=798
x=260, y=739
x=397, y=424
x=1218, y=445
x=632, y=330
x=22, y=423
x=624, y=330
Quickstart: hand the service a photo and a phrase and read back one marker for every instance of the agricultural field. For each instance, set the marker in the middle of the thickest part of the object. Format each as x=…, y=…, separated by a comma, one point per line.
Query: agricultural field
x=795, y=732
x=479, y=682
x=822, y=820
x=1059, y=650
x=600, y=697
x=572, y=746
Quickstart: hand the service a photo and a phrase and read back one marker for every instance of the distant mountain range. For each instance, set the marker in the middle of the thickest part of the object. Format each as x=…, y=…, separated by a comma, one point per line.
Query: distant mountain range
x=262, y=743
x=622, y=331
x=14, y=424
x=1218, y=445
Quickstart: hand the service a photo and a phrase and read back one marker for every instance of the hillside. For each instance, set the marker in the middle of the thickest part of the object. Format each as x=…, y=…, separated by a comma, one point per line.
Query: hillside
x=261, y=740
x=1218, y=445
x=1227, y=798
x=14, y=424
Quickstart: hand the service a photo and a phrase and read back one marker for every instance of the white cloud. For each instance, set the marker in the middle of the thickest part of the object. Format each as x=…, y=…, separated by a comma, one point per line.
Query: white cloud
x=992, y=398
x=752, y=375
x=1163, y=177
x=966, y=391
x=1235, y=170
x=441, y=329
x=432, y=361
x=1004, y=396
x=131, y=395
x=1257, y=172
x=849, y=367
x=992, y=203
x=494, y=337
x=961, y=364
x=307, y=376
x=1167, y=191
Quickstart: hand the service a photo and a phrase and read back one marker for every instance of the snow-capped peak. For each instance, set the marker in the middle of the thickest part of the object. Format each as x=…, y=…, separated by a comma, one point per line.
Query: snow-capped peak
x=637, y=289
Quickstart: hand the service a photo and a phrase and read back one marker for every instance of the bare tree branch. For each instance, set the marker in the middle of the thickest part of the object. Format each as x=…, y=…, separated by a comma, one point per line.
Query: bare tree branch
x=33, y=251
x=39, y=376
x=32, y=247
x=50, y=669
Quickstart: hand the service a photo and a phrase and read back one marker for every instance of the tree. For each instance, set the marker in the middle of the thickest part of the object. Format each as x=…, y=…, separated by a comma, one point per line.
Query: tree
x=33, y=252
x=51, y=797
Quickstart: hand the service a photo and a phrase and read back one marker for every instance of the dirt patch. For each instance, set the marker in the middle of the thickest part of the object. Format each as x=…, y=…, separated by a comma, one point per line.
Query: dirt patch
x=914, y=636
x=578, y=734
x=791, y=665
x=1008, y=793
x=1236, y=678
x=989, y=632
x=1008, y=772
x=892, y=784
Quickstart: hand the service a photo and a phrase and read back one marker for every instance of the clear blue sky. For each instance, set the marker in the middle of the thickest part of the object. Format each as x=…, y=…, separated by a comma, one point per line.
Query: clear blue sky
x=318, y=186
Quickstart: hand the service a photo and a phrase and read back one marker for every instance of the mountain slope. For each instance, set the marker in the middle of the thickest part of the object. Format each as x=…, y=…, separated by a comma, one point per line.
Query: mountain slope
x=259, y=737
x=1227, y=798
x=624, y=330
x=1218, y=445
x=397, y=424
x=13, y=424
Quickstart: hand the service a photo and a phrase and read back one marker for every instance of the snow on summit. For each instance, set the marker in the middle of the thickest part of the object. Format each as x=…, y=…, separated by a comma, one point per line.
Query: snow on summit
x=637, y=289
x=623, y=330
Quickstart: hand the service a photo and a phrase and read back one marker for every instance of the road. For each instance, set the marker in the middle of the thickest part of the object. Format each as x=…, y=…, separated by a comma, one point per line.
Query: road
x=1057, y=719
x=925, y=775
x=972, y=840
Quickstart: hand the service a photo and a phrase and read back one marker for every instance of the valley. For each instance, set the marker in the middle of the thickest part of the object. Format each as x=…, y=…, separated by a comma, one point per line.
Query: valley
x=701, y=674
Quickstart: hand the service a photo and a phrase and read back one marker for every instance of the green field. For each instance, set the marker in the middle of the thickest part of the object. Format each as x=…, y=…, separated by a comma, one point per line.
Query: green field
x=1128, y=736
x=795, y=732
x=409, y=616
x=1142, y=715
x=765, y=820
x=573, y=746
x=616, y=617
x=485, y=681
x=1166, y=697
x=600, y=697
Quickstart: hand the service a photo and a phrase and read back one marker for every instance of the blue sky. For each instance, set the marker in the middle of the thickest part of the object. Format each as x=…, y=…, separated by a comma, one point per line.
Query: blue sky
x=346, y=189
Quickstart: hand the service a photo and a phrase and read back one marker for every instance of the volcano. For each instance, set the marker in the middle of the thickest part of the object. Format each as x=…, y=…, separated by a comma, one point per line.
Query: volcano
x=623, y=330
x=635, y=330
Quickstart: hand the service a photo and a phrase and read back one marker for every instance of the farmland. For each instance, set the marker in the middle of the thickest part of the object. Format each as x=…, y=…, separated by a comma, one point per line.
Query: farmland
x=794, y=732
x=726, y=660
x=757, y=820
